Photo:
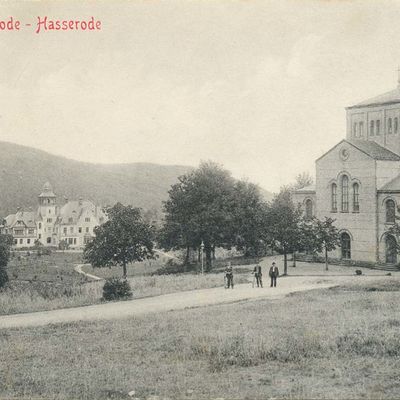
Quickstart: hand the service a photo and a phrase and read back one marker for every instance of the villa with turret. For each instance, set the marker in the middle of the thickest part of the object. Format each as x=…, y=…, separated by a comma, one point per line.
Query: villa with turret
x=358, y=182
x=72, y=223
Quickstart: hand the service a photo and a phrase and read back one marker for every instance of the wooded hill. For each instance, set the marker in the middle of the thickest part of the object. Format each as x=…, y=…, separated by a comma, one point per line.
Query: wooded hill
x=24, y=170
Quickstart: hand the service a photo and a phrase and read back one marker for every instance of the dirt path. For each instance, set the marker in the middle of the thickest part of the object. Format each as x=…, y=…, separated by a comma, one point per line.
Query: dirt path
x=175, y=301
x=78, y=268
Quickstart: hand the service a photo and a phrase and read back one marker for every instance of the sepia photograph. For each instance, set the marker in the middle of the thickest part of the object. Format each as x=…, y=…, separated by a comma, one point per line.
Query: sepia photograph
x=199, y=200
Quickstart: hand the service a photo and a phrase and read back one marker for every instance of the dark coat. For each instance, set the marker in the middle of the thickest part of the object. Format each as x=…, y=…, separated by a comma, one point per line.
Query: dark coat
x=272, y=273
x=257, y=270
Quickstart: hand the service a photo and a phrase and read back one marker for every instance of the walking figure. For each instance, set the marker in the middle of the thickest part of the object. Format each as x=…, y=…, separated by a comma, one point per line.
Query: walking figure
x=273, y=273
x=229, y=276
x=258, y=275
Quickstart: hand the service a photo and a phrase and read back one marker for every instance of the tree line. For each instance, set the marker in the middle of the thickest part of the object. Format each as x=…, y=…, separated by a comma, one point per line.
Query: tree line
x=209, y=206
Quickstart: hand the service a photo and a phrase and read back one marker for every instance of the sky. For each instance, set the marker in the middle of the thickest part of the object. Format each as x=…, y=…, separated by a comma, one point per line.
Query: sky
x=257, y=86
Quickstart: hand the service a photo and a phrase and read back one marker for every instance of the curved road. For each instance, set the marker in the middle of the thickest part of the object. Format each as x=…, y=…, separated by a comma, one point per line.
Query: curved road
x=175, y=301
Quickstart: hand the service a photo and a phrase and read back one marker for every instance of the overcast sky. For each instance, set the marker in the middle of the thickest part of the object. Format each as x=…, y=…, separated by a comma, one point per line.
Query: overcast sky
x=257, y=86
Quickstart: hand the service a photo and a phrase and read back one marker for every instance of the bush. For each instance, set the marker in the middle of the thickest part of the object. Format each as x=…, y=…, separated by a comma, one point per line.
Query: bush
x=116, y=289
x=3, y=276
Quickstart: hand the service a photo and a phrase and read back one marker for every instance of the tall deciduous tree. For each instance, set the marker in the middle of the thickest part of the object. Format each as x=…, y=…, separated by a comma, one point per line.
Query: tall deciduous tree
x=199, y=209
x=284, y=230
x=124, y=238
x=5, y=246
x=324, y=237
x=250, y=218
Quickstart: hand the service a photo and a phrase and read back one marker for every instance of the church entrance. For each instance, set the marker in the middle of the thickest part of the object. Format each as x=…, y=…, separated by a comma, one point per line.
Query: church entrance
x=391, y=249
x=345, y=244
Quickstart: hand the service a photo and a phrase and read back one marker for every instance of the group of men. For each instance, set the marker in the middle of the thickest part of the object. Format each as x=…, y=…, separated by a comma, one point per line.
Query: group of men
x=257, y=272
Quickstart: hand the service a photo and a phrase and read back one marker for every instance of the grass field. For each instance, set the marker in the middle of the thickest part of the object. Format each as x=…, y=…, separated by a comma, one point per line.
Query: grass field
x=58, y=267
x=146, y=267
x=39, y=296
x=340, y=343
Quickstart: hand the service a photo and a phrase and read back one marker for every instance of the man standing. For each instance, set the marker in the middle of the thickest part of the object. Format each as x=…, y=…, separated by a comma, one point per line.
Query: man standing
x=258, y=275
x=229, y=276
x=273, y=273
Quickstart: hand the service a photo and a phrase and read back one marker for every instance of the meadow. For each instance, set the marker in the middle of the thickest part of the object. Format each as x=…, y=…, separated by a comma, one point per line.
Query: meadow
x=340, y=343
x=50, y=282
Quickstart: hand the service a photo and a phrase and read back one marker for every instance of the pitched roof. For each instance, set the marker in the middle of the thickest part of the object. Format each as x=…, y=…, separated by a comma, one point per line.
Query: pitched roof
x=47, y=191
x=375, y=150
x=75, y=208
x=370, y=148
x=386, y=98
x=391, y=186
x=27, y=217
x=307, y=189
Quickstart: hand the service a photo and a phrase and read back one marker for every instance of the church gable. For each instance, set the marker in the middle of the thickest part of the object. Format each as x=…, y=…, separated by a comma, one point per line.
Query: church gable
x=345, y=155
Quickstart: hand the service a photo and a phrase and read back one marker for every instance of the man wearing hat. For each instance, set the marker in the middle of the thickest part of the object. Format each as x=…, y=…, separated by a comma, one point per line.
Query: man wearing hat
x=273, y=273
x=228, y=276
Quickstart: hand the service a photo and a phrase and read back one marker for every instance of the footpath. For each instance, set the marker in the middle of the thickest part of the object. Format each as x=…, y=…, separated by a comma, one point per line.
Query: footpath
x=177, y=301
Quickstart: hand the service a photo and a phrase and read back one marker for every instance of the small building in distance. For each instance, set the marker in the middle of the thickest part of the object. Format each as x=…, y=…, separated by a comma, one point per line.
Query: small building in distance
x=72, y=223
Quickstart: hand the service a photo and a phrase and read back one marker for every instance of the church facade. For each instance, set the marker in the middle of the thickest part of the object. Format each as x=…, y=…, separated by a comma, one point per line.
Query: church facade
x=72, y=223
x=358, y=182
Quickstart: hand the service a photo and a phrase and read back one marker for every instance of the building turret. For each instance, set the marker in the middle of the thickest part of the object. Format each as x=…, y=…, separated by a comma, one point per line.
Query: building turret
x=48, y=215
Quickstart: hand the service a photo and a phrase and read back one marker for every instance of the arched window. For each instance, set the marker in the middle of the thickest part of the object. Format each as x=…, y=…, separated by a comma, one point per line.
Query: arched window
x=361, y=129
x=345, y=193
x=334, y=197
x=371, y=128
x=390, y=211
x=389, y=126
x=345, y=244
x=309, y=209
x=378, y=126
x=356, y=203
x=391, y=249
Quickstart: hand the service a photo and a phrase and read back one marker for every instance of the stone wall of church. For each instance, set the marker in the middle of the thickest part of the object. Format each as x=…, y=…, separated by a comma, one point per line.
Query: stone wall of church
x=384, y=224
x=388, y=136
x=362, y=225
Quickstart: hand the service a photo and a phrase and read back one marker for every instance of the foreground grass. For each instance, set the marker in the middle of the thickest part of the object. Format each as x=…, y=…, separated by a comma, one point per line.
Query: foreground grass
x=39, y=296
x=340, y=343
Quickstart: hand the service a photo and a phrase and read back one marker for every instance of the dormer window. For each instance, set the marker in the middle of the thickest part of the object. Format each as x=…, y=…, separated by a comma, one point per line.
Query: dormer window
x=371, y=128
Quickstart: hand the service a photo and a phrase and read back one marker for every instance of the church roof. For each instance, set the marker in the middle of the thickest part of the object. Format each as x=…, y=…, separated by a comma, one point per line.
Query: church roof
x=386, y=98
x=307, y=189
x=370, y=148
x=375, y=150
x=391, y=186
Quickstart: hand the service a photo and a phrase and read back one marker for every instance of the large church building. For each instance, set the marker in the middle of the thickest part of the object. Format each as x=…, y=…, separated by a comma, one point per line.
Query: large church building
x=358, y=182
